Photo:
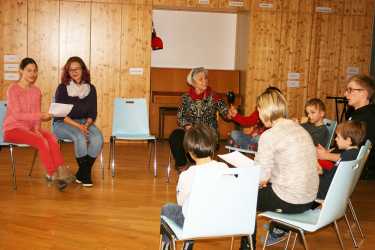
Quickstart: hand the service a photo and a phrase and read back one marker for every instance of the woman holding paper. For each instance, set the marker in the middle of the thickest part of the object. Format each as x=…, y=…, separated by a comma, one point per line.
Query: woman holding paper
x=76, y=88
x=23, y=118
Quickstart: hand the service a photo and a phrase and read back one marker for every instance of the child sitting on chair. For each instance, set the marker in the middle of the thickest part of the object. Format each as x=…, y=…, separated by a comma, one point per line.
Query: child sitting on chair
x=313, y=122
x=349, y=138
x=200, y=141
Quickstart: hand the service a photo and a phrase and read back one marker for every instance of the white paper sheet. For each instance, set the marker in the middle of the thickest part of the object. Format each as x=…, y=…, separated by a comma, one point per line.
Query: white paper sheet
x=60, y=109
x=237, y=159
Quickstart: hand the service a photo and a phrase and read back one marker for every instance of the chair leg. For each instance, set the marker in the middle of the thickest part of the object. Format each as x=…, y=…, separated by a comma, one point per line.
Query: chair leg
x=155, y=163
x=13, y=167
x=169, y=166
x=33, y=163
x=231, y=243
x=287, y=241
x=338, y=234
x=294, y=241
x=102, y=163
x=354, y=214
x=174, y=244
x=265, y=240
x=350, y=231
x=113, y=157
x=252, y=243
x=110, y=152
x=304, y=240
x=161, y=237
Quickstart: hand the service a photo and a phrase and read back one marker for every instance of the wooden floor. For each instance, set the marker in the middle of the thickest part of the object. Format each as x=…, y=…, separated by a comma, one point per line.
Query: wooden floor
x=120, y=212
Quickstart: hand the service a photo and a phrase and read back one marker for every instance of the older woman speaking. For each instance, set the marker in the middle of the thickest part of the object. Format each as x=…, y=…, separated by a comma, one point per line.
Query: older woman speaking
x=198, y=106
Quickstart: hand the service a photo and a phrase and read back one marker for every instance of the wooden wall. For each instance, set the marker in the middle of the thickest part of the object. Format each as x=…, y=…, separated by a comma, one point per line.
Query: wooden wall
x=274, y=38
x=318, y=39
x=111, y=36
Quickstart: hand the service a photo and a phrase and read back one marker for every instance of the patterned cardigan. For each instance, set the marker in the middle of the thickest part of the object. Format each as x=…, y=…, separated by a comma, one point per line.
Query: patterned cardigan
x=201, y=109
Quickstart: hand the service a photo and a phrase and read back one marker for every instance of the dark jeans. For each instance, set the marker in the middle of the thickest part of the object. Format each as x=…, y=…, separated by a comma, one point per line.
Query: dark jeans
x=269, y=201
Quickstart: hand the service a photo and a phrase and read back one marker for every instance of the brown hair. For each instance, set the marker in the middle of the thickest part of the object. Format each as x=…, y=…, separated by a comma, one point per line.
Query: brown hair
x=355, y=130
x=65, y=77
x=201, y=141
x=365, y=82
x=316, y=102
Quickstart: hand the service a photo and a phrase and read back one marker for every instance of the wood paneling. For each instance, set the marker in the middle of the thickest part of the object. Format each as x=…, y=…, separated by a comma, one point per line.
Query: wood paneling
x=105, y=59
x=325, y=58
x=75, y=31
x=43, y=45
x=14, y=33
x=264, y=55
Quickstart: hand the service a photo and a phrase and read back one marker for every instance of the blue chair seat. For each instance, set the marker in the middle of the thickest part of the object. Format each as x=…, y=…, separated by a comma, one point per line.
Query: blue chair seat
x=134, y=137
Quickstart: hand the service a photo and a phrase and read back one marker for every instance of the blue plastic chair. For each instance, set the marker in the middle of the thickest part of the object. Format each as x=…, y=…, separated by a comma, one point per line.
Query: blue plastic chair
x=3, y=109
x=130, y=122
x=221, y=204
x=333, y=207
x=331, y=126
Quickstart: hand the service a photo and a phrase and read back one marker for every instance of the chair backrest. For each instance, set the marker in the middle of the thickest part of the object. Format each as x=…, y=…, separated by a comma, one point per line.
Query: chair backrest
x=3, y=110
x=331, y=126
x=335, y=203
x=361, y=158
x=222, y=203
x=130, y=116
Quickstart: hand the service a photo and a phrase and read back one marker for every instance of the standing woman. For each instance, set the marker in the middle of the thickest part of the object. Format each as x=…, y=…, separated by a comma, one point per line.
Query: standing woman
x=23, y=119
x=76, y=88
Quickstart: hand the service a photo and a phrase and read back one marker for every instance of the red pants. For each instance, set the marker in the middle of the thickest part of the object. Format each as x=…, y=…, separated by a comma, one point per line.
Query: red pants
x=45, y=142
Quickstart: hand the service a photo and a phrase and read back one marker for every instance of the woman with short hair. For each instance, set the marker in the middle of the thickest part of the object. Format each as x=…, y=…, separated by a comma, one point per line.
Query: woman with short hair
x=199, y=105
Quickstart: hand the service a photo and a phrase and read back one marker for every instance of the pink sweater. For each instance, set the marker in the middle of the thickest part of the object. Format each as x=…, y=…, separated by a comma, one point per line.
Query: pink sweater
x=23, y=108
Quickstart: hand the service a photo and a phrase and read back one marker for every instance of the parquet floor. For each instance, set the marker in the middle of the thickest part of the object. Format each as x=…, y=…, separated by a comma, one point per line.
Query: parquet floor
x=120, y=212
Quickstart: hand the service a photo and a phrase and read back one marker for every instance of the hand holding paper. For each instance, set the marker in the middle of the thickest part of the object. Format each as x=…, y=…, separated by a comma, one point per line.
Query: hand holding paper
x=60, y=109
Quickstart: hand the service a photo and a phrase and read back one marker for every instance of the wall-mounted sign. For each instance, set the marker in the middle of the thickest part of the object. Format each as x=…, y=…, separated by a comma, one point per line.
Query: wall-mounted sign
x=236, y=3
x=351, y=71
x=11, y=76
x=10, y=58
x=135, y=71
x=322, y=9
x=10, y=67
x=205, y=2
x=294, y=76
x=266, y=5
x=292, y=83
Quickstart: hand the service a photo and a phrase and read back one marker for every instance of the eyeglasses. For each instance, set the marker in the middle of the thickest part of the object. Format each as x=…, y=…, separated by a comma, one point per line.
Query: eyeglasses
x=75, y=70
x=351, y=90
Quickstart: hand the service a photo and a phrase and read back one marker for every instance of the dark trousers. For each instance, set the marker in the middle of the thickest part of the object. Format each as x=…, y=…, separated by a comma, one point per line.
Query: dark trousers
x=269, y=201
x=176, y=140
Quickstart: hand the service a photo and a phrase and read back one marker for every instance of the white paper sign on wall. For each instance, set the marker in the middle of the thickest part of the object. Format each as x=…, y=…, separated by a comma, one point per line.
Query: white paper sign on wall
x=292, y=83
x=205, y=2
x=266, y=5
x=322, y=9
x=238, y=3
x=11, y=67
x=351, y=71
x=11, y=76
x=135, y=71
x=10, y=58
x=294, y=76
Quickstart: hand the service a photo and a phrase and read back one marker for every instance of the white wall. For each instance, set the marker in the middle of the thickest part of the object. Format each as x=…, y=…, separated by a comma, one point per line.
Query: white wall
x=194, y=39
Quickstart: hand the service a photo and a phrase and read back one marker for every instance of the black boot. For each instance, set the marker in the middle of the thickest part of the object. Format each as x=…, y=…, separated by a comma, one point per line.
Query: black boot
x=80, y=175
x=87, y=182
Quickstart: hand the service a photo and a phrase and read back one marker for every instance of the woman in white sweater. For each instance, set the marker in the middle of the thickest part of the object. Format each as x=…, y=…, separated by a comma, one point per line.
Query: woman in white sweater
x=287, y=157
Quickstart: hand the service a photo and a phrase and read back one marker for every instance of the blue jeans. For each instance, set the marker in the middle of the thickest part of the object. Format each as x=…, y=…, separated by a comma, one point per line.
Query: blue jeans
x=91, y=146
x=242, y=140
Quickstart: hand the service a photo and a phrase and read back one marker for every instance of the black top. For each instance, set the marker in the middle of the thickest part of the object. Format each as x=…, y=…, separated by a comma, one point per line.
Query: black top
x=82, y=108
x=367, y=114
x=319, y=134
x=349, y=155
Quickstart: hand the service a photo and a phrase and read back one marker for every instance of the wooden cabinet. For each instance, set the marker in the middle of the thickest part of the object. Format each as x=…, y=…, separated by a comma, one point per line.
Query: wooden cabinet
x=203, y=5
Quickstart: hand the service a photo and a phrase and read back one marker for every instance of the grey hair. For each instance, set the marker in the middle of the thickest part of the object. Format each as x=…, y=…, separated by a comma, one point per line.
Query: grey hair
x=194, y=72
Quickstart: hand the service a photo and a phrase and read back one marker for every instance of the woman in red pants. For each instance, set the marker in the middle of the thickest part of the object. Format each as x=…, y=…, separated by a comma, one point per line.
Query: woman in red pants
x=23, y=119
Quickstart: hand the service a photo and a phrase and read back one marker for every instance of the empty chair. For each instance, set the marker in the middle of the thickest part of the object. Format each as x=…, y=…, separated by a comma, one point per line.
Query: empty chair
x=130, y=122
x=222, y=204
x=3, y=109
x=333, y=207
x=331, y=126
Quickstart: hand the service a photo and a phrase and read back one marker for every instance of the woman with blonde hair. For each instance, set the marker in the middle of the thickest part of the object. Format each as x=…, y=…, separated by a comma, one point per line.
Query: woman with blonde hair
x=287, y=157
